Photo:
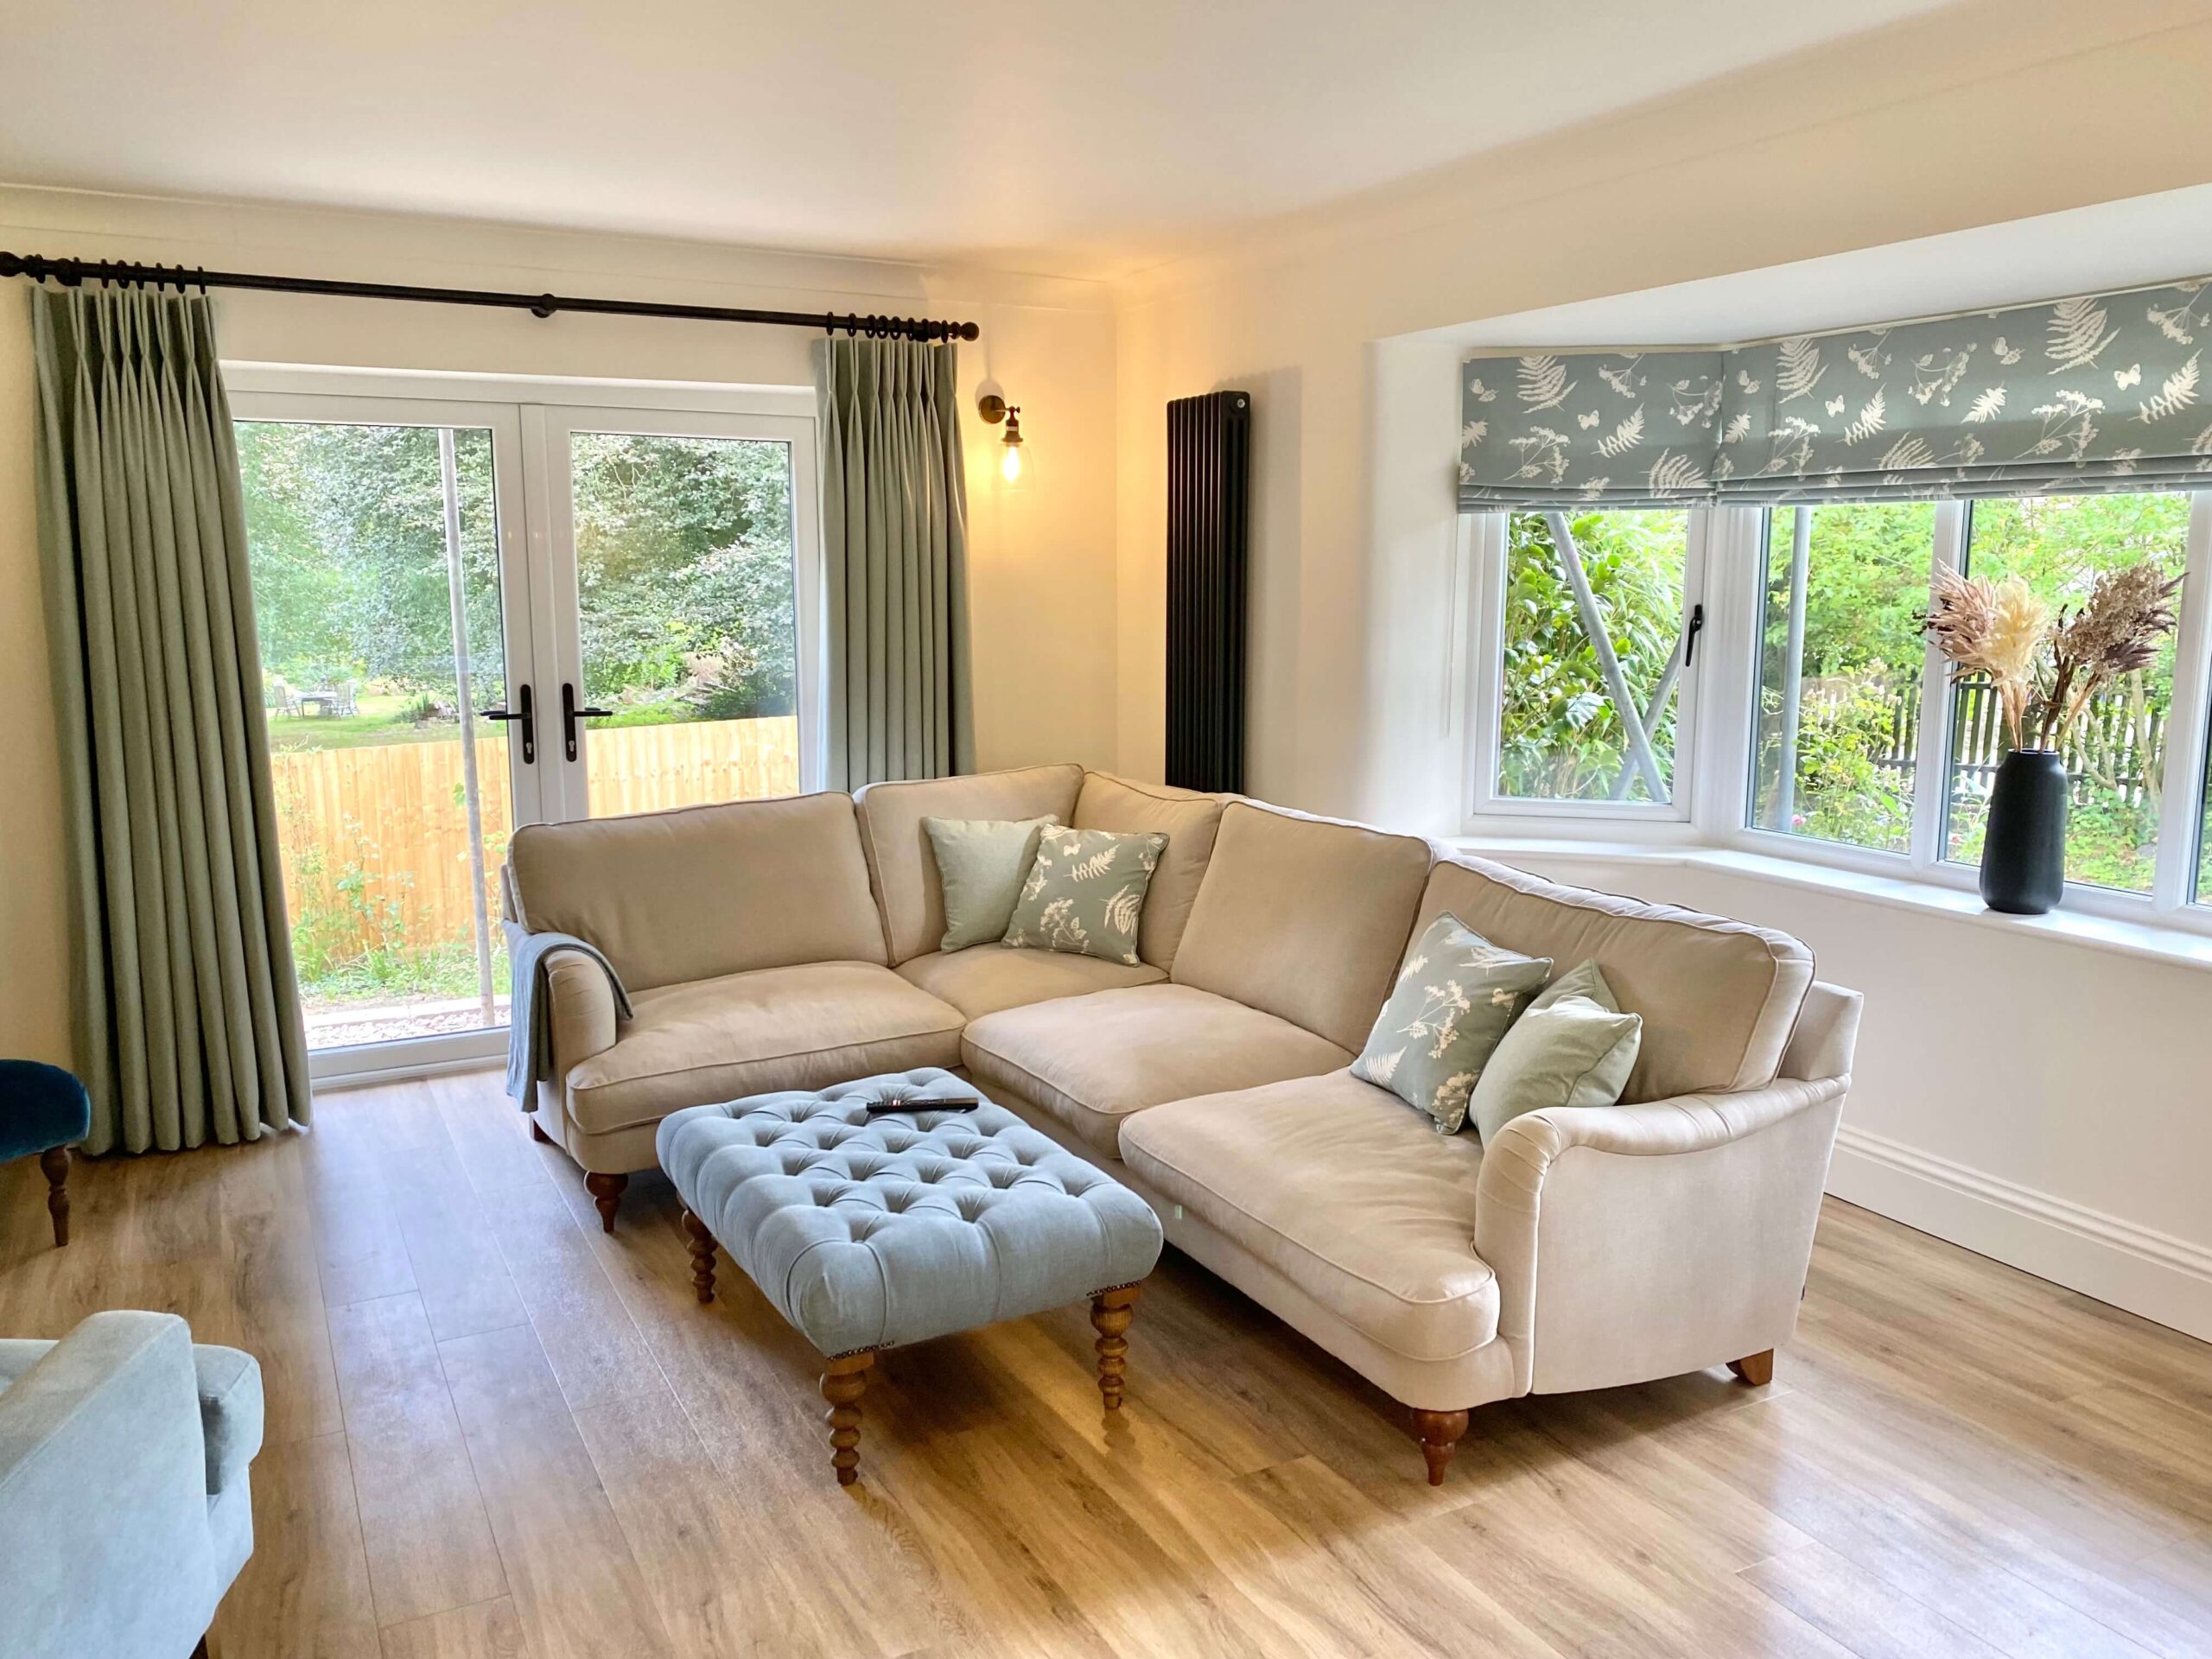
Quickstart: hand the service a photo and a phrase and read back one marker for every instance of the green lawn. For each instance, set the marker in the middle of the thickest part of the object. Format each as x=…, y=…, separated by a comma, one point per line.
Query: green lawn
x=381, y=719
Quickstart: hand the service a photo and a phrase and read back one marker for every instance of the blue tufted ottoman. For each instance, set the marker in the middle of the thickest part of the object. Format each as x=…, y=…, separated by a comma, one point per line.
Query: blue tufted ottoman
x=870, y=1220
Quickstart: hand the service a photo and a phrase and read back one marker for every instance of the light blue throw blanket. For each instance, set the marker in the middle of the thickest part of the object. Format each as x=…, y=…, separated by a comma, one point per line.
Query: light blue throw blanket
x=530, y=1025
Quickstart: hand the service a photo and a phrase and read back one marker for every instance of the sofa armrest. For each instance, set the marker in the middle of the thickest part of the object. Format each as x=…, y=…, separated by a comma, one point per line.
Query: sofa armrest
x=104, y=1517
x=581, y=1008
x=1639, y=1241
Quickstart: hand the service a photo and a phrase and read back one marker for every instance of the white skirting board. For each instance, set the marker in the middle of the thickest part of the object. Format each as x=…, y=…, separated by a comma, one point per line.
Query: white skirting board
x=2158, y=1277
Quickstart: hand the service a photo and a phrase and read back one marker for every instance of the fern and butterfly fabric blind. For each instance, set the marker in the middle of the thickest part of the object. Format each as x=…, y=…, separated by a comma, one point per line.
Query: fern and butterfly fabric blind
x=2094, y=393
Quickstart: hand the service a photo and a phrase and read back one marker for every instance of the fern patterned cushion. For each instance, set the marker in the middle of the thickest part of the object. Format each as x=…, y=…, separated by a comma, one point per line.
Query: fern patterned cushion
x=1456, y=996
x=1086, y=893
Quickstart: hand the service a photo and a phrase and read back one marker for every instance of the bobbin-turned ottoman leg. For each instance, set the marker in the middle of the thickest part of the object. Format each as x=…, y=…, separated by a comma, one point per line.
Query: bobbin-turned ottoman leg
x=844, y=1381
x=1110, y=1313
x=703, y=1255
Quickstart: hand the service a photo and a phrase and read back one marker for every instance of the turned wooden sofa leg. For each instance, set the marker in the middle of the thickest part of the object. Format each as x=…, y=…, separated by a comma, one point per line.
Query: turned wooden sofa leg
x=55, y=1162
x=1438, y=1433
x=702, y=1257
x=606, y=1192
x=1110, y=1313
x=539, y=1135
x=844, y=1381
x=1757, y=1370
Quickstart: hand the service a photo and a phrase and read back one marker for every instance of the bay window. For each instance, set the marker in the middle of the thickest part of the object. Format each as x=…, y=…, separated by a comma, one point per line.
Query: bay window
x=1702, y=573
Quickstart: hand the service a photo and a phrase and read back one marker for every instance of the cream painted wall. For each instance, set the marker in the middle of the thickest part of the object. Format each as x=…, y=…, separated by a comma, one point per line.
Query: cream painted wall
x=1986, y=112
x=1041, y=558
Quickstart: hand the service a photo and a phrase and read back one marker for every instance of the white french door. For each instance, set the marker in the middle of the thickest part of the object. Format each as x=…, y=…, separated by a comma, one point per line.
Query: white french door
x=495, y=606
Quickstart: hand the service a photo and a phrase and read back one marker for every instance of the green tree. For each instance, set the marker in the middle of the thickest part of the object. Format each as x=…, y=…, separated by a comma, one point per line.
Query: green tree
x=1560, y=735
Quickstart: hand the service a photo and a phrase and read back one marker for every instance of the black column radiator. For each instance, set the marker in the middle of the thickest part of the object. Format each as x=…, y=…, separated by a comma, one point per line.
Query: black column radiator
x=1209, y=441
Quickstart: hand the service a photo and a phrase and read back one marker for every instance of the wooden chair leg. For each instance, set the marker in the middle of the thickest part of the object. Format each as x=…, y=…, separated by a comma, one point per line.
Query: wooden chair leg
x=702, y=1257
x=55, y=1162
x=539, y=1135
x=606, y=1192
x=1110, y=1313
x=201, y=1652
x=1439, y=1433
x=844, y=1381
x=1757, y=1370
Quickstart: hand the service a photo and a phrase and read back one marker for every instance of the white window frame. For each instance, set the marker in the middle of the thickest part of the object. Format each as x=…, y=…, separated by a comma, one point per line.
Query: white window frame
x=1715, y=728
x=1483, y=534
x=529, y=417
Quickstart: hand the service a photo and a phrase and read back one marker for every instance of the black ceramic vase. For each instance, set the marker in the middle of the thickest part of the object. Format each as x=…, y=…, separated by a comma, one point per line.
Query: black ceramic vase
x=2024, y=853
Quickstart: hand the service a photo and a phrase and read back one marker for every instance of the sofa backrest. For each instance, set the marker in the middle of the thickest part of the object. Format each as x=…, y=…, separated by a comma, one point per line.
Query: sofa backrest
x=1188, y=819
x=703, y=890
x=1719, y=998
x=900, y=861
x=1305, y=917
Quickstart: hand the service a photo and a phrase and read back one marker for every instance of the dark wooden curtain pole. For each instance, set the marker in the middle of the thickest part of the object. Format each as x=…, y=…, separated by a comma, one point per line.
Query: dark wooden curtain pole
x=71, y=272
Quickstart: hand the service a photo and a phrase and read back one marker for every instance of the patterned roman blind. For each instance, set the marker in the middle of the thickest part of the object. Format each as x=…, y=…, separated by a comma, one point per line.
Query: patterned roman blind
x=2094, y=393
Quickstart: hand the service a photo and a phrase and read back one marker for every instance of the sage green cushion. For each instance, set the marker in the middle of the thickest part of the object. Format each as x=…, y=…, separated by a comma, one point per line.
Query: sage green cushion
x=1573, y=1047
x=1456, y=996
x=980, y=866
x=1086, y=893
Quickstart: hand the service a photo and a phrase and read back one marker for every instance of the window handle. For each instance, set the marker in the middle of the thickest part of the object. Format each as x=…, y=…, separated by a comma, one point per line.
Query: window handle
x=527, y=714
x=570, y=715
x=1689, y=640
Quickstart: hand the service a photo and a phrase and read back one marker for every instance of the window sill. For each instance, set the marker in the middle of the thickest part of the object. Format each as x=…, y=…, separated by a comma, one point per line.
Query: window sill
x=2144, y=939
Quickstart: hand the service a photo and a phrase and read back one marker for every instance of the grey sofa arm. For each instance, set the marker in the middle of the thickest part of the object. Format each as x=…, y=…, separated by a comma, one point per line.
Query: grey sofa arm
x=108, y=1543
x=1639, y=1241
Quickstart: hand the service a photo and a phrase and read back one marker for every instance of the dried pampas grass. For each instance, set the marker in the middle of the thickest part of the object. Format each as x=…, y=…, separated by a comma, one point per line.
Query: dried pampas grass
x=1994, y=628
x=2116, y=632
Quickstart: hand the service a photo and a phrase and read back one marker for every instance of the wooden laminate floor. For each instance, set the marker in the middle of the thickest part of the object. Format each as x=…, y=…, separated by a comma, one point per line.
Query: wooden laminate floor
x=492, y=1431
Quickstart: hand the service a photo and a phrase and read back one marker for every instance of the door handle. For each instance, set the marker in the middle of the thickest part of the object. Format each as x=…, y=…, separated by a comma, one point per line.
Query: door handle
x=527, y=714
x=570, y=715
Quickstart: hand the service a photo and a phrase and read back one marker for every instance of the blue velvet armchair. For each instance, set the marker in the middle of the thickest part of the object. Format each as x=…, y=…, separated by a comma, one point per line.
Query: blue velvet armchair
x=125, y=1507
x=45, y=1110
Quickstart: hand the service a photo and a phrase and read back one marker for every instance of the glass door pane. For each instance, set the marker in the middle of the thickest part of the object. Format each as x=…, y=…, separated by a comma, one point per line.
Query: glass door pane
x=376, y=557
x=687, y=625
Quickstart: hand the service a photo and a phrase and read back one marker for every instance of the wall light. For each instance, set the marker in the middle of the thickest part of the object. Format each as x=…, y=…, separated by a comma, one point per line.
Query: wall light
x=994, y=409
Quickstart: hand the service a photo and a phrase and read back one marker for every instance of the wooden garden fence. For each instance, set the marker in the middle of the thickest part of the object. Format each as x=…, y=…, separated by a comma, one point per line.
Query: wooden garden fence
x=375, y=839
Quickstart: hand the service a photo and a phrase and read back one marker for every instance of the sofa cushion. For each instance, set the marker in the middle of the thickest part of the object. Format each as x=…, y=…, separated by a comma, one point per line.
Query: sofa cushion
x=1719, y=998
x=1084, y=892
x=1454, y=999
x=898, y=859
x=988, y=977
x=1305, y=918
x=1188, y=819
x=1088, y=1062
x=800, y=1027
x=980, y=865
x=1335, y=1185
x=674, y=897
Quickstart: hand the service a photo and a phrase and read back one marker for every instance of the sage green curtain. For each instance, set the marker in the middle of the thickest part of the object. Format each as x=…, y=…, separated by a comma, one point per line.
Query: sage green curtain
x=188, y=1017
x=895, y=511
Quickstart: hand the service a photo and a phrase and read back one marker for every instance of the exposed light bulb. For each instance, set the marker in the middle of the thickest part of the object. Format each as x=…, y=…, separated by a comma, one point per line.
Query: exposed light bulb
x=1010, y=464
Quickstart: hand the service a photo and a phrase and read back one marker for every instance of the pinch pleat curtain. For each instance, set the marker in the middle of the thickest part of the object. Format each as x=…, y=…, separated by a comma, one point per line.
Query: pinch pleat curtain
x=187, y=1016
x=2094, y=393
x=894, y=508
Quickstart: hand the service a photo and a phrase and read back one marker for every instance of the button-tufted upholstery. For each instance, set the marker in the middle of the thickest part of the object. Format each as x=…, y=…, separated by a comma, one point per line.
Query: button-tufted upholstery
x=869, y=1229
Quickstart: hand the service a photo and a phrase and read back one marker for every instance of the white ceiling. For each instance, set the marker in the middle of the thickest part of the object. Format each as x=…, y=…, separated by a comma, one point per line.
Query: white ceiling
x=1080, y=139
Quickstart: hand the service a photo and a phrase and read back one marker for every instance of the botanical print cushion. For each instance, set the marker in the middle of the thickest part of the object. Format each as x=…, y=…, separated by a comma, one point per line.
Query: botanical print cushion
x=1573, y=1047
x=1086, y=893
x=1455, y=997
x=981, y=863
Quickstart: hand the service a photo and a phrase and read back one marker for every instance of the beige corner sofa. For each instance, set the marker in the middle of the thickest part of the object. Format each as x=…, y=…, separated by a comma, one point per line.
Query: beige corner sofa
x=792, y=944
